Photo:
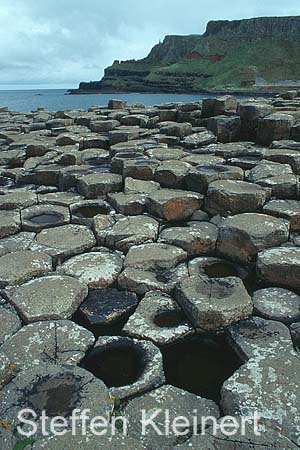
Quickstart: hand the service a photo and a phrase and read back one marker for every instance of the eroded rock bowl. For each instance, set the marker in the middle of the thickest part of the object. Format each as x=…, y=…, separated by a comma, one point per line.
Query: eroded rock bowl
x=83, y=212
x=127, y=366
x=38, y=217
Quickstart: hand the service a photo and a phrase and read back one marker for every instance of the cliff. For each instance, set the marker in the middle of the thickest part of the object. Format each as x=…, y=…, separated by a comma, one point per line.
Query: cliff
x=237, y=54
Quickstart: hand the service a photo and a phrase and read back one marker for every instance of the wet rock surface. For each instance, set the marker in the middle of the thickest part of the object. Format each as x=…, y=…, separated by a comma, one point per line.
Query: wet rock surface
x=104, y=307
x=159, y=248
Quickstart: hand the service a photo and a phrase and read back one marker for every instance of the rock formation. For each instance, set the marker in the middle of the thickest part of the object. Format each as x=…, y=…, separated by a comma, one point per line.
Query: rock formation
x=238, y=54
x=149, y=258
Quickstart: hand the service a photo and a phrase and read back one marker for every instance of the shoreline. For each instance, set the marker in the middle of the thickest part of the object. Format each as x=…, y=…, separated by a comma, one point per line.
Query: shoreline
x=271, y=92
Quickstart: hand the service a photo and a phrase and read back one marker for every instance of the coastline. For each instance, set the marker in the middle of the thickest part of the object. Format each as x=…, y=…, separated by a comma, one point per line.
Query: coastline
x=266, y=92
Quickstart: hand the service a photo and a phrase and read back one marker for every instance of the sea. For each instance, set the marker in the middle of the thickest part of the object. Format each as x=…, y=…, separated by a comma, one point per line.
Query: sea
x=57, y=99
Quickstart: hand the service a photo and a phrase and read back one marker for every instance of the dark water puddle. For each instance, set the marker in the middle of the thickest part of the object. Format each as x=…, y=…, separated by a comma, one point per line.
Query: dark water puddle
x=57, y=396
x=46, y=218
x=119, y=365
x=220, y=270
x=101, y=169
x=200, y=365
x=97, y=161
x=89, y=211
x=212, y=169
x=226, y=269
x=6, y=181
x=169, y=319
x=149, y=145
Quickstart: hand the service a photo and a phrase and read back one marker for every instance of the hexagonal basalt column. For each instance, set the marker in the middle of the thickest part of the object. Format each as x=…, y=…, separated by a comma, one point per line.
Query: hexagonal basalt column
x=62, y=242
x=199, y=177
x=268, y=388
x=198, y=239
x=171, y=204
x=50, y=297
x=107, y=307
x=22, y=266
x=159, y=319
x=96, y=269
x=233, y=197
x=241, y=237
x=213, y=303
x=94, y=185
x=216, y=268
x=55, y=389
x=277, y=304
x=274, y=127
x=280, y=265
x=60, y=341
x=10, y=223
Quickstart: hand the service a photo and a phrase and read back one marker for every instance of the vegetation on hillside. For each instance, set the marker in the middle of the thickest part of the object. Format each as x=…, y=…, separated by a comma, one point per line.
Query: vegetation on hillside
x=234, y=55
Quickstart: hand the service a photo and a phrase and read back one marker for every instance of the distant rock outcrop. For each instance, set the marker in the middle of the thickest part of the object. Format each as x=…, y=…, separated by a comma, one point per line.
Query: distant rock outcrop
x=230, y=54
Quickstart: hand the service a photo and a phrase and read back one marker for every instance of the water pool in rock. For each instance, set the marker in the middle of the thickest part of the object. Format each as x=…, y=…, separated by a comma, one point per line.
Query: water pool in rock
x=169, y=319
x=89, y=211
x=46, y=218
x=57, y=395
x=220, y=270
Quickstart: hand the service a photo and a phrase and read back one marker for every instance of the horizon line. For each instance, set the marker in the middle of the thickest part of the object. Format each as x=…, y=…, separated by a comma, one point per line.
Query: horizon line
x=28, y=87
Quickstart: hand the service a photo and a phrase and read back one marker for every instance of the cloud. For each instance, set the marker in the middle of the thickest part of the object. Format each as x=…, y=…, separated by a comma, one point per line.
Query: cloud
x=67, y=41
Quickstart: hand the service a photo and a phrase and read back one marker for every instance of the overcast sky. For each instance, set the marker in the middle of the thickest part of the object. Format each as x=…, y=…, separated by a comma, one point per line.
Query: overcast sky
x=57, y=43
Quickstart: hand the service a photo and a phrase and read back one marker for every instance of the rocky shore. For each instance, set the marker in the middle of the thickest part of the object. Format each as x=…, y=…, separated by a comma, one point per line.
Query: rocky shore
x=150, y=259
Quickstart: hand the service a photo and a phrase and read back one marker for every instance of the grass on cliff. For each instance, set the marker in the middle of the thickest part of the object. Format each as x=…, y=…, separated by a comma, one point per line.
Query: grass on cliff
x=272, y=59
x=246, y=57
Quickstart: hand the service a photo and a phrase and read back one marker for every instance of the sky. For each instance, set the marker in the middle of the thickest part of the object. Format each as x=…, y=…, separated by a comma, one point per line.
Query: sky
x=58, y=43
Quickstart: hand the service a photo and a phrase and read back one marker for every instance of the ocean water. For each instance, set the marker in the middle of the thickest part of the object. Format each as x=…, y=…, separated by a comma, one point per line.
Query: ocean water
x=56, y=99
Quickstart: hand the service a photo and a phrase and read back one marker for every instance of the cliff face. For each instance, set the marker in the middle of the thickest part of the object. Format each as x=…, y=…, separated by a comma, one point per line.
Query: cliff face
x=172, y=49
x=258, y=26
x=230, y=54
